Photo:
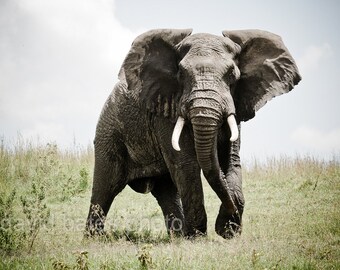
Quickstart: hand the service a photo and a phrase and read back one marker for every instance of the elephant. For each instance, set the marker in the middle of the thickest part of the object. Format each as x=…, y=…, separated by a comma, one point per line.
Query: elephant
x=173, y=120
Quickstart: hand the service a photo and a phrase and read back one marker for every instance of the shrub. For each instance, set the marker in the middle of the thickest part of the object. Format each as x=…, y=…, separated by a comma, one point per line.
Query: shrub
x=36, y=212
x=10, y=236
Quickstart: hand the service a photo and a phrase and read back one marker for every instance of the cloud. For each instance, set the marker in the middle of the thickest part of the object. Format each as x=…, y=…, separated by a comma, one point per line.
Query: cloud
x=314, y=139
x=46, y=132
x=59, y=62
x=313, y=56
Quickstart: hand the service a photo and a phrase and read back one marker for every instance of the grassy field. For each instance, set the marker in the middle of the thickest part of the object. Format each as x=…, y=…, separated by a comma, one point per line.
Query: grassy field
x=291, y=219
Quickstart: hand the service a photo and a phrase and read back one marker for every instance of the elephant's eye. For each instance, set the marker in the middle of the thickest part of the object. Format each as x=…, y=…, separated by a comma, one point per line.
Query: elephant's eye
x=183, y=49
x=229, y=76
x=232, y=74
x=181, y=71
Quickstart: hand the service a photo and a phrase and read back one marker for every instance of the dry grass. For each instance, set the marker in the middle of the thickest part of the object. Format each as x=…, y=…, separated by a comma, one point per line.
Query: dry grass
x=291, y=220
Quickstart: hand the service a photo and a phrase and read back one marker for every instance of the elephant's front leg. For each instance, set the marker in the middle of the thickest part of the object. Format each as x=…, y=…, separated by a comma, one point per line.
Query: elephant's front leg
x=185, y=172
x=168, y=198
x=229, y=225
x=187, y=178
x=191, y=192
x=108, y=180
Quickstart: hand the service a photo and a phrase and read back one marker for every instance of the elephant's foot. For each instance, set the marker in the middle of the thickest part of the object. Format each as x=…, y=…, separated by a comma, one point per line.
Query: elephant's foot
x=192, y=235
x=195, y=232
x=95, y=221
x=228, y=226
x=174, y=225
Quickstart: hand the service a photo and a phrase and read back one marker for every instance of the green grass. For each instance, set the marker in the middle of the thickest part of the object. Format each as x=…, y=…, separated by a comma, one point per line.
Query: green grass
x=291, y=219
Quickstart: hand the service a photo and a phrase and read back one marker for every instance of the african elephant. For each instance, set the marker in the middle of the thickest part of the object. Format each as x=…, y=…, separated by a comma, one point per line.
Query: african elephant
x=175, y=116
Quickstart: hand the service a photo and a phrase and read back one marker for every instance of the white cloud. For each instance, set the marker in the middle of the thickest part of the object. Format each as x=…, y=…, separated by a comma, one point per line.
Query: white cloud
x=319, y=140
x=84, y=24
x=46, y=132
x=59, y=62
x=313, y=56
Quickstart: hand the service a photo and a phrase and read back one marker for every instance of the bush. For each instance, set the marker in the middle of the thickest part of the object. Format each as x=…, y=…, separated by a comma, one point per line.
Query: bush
x=74, y=184
x=10, y=237
x=36, y=212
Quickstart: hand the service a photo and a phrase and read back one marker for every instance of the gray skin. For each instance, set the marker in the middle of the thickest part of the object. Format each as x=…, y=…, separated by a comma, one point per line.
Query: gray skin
x=204, y=79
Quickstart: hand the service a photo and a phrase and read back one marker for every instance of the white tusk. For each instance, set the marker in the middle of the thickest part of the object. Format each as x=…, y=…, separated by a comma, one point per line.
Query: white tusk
x=177, y=133
x=233, y=127
x=202, y=176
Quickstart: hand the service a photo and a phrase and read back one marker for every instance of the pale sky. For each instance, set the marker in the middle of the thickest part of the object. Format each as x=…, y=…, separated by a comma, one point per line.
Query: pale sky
x=60, y=59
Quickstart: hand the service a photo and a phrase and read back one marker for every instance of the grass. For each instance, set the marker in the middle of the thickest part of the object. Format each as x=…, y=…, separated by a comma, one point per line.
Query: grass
x=291, y=219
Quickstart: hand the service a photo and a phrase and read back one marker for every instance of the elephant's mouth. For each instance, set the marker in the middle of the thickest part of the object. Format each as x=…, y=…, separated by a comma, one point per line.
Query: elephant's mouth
x=180, y=124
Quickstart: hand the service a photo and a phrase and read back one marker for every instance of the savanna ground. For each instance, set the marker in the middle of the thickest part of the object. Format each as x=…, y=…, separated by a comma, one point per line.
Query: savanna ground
x=291, y=219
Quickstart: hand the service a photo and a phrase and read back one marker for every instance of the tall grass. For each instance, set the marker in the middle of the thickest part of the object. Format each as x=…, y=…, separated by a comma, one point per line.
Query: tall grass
x=62, y=173
x=291, y=219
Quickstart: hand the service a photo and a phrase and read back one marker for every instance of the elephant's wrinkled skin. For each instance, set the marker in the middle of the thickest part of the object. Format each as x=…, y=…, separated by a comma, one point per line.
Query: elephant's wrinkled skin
x=210, y=84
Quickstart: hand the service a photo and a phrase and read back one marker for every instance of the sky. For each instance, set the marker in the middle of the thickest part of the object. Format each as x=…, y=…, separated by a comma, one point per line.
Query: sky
x=59, y=60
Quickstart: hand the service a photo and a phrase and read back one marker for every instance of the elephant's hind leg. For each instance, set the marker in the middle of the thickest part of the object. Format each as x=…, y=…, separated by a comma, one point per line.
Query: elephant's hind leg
x=169, y=200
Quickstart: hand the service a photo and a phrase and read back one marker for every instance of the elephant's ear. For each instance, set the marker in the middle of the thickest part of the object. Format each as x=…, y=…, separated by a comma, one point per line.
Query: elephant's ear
x=267, y=70
x=150, y=70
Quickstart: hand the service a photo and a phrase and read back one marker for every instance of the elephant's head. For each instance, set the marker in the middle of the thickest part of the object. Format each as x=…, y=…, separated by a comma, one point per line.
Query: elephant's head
x=208, y=80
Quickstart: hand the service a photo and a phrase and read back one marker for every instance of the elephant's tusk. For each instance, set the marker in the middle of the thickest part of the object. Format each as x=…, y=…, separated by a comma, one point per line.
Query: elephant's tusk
x=177, y=133
x=203, y=178
x=233, y=127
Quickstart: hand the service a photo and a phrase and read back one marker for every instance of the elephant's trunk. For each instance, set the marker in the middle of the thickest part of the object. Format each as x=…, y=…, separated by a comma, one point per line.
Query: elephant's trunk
x=206, y=116
x=205, y=136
